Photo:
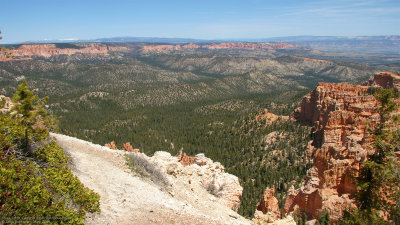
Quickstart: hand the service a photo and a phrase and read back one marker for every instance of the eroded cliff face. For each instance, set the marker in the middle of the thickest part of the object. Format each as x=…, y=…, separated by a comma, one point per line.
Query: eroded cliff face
x=385, y=80
x=48, y=50
x=342, y=115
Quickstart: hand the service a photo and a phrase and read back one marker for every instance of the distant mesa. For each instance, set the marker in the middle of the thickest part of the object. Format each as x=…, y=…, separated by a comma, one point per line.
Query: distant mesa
x=27, y=50
x=165, y=48
x=47, y=50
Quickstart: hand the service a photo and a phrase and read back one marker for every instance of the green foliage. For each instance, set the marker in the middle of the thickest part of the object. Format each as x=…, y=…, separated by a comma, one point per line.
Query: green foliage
x=387, y=105
x=372, y=90
x=225, y=130
x=300, y=217
x=2, y=103
x=362, y=217
x=29, y=112
x=37, y=187
x=323, y=218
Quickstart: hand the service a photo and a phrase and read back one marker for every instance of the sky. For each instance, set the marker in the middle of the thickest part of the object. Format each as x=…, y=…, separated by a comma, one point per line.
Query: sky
x=30, y=20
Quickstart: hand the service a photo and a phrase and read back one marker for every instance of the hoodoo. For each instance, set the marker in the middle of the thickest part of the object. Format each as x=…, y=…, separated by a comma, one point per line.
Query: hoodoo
x=342, y=116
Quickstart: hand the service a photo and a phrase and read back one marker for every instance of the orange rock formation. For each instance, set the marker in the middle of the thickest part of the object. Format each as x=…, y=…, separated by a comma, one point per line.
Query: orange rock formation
x=341, y=115
x=270, y=117
x=111, y=145
x=269, y=204
x=128, y=147
x=185, y=159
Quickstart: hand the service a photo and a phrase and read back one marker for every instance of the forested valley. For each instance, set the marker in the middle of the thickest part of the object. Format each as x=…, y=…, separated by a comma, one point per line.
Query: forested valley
x=196, y=101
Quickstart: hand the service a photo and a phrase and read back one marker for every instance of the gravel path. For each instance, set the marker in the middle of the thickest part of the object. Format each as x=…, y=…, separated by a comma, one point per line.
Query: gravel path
x=125, y=198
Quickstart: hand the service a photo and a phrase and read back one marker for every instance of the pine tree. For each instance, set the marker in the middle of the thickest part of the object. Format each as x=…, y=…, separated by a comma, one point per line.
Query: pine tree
x=31, y=114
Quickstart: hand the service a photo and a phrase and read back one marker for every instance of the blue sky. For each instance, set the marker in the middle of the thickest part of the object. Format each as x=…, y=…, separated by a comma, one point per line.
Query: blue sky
x=24, y=20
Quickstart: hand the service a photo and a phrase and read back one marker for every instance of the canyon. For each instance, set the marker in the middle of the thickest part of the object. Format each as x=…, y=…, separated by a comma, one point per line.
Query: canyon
x=230, y=101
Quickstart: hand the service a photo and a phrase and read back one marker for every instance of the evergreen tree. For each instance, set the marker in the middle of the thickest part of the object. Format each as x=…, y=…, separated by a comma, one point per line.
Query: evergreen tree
x=37, y=186
x=31, y=114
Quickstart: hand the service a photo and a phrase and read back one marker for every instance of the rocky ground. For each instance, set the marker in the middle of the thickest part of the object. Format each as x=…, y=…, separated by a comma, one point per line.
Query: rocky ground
x=129, y=197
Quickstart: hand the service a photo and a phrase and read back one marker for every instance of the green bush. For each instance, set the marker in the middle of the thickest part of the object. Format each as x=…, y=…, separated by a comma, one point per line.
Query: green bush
x=36, y=186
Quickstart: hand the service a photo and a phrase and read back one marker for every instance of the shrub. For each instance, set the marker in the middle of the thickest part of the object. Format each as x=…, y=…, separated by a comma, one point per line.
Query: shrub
x=36, y=186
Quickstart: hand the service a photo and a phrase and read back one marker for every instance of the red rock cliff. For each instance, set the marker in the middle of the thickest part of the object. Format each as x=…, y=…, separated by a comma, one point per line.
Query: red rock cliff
x=341, y=115
x=47, y=50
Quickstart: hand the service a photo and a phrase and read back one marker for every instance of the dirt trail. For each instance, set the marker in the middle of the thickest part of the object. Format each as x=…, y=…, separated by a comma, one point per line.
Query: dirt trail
x=125, y=198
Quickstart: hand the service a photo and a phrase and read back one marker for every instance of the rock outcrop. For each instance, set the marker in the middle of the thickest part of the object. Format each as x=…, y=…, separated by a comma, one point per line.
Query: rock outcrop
x=125, y=147
x=153, y=190
x=342, y=115
x=5, y=104
x=270, y=117
x=202, y=175
x=185, y=159
x=259, y=219
x=269, y=203
x=385, y=80
x=128, y=147
x=268, y=208
x=111, y=145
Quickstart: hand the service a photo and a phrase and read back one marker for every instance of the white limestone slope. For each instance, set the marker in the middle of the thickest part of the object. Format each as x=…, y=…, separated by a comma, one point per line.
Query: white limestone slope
x=130, y=198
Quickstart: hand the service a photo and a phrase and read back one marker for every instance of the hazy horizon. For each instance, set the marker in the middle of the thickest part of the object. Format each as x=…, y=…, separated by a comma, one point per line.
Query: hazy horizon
x=23, y=21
